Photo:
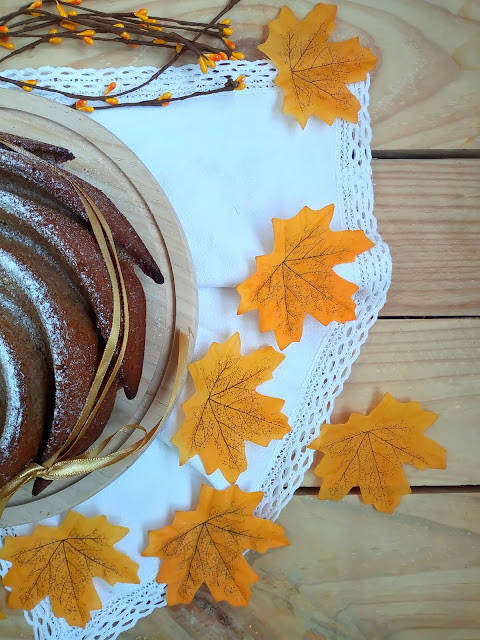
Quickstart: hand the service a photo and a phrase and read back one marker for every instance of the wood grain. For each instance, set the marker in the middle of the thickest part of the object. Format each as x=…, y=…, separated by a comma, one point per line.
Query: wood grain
x=426, y=89
x=427, y=211
x=437, y=363
x=351, y=574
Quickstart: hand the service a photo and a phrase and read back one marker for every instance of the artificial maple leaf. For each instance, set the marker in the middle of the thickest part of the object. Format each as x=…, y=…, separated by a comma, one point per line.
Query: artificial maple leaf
x=313, y=72
x=207, y=545
x=60, y=562
x=368, y=452
x=297, y=277
x=226, y=409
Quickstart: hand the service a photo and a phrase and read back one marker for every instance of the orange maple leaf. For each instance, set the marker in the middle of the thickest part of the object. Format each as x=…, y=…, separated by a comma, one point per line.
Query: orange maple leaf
x=297, y=277
x=60, y=562
x=313, y=72
x=368, y=452
x=207, y=545
x=226, y=409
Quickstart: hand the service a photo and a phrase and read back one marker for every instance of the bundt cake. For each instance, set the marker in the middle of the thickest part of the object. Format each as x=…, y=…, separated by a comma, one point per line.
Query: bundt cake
x=56, y=305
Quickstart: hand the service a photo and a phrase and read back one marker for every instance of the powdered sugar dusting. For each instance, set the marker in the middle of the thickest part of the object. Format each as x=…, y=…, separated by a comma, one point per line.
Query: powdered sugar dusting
x=23, y=319
x=72, y=243
x=15, y=390
x=41, y=299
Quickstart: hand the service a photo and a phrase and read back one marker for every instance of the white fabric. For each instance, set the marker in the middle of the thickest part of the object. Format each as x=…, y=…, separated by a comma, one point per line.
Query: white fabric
x=230, y=163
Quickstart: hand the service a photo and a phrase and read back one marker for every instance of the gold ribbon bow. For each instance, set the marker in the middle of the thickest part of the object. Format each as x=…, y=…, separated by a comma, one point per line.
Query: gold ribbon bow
x=91, y=459
x=59, y=465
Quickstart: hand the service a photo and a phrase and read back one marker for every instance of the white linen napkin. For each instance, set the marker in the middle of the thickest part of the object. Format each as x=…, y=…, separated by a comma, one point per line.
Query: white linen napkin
x=228, y=170
x=228, y=163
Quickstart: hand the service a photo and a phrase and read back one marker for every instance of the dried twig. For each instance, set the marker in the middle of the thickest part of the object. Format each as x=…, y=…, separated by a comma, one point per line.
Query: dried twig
x=68, y=20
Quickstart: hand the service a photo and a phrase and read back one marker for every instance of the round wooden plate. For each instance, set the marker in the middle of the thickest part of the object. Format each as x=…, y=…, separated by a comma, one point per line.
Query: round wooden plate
x=106, y=162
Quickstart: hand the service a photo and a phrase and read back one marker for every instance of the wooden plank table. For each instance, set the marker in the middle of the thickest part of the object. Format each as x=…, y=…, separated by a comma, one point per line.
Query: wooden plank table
x=352, y=573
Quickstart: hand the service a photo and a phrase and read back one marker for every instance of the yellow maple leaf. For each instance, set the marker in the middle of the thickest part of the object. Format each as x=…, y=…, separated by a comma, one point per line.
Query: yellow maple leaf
x=368, y=452
x=226, y=409
x=297, y=277
x=313, y=72
x=207, y=545
x=60, y=562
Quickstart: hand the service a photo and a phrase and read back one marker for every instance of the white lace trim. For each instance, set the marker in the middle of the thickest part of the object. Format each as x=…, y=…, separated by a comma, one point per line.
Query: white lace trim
x=332, y=364
x=178, y=80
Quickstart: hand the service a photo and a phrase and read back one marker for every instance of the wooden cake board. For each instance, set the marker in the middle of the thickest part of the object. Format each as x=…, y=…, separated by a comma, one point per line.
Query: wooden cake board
x=106, y=162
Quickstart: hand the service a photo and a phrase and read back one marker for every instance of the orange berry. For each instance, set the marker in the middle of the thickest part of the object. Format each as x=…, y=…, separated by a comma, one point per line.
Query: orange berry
x=32, y=82
x=56, y=40
x=3, y=28
x=7, y=45
x=223, y=55
x=53, y=31
x=125, y=35
x=112, y=100
x=228, y=32
x=241, y=86
x=87, y=32
x=72, y=14
x=229, y=43
x=178, y=47
x=203, y=64
x=110, y=88
x=120, y=25
x=165, y=96
x=134, y=46
x=236, y=55
x=226, y=22
x=61, y=10
x=159, y=41
x=87, y=40
x=27, y=88
x=240, y=79
x=67, y=24
x=35, y=5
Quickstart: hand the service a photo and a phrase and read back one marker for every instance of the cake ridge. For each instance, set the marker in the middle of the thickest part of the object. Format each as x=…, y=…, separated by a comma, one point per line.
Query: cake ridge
x=52, y=272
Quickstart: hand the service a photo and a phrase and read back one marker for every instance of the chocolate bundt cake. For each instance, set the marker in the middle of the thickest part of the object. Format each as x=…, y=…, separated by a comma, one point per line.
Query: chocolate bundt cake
x=56, y=305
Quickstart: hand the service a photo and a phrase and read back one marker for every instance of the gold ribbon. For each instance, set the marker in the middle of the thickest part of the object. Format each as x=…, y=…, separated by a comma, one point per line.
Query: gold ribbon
x=91, y=459
x=59, y=466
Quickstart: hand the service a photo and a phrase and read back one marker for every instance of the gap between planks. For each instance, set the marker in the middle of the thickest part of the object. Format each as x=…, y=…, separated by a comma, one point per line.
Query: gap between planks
x=473, y=488
x=425, y=154
x=434, y=317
